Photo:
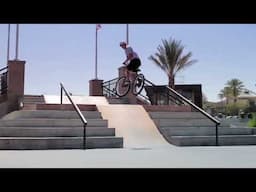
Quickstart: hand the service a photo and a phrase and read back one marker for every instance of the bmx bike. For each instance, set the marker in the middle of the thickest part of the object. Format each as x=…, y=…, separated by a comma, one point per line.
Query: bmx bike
x=123, y=84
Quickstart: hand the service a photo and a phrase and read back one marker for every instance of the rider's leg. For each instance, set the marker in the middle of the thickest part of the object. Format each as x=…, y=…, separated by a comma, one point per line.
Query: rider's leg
x=127, y=72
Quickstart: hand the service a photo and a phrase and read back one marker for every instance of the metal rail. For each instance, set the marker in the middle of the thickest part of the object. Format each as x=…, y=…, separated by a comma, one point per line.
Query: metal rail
x=77, y=110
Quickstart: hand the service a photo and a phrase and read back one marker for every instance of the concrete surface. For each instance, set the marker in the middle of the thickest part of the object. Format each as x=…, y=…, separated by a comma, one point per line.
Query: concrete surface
x=162, y=157
x=133, y=123
x=55, y=99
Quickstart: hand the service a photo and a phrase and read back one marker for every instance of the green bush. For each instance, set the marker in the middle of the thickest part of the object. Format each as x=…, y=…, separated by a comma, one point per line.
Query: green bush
x=252, y=122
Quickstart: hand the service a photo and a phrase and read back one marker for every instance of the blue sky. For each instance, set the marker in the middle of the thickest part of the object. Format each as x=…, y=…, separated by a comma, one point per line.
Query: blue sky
x=66, y=53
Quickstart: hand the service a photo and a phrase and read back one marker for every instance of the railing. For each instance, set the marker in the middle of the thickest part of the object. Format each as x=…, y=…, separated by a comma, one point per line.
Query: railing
x=110, y=92
x=173, y=97
x=77, y=110
x=3, y=80
x=217, y=123
x=159, y=98
x=109, y=88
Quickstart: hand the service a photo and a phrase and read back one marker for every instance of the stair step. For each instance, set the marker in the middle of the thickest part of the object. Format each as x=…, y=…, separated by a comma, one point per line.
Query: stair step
x=55, y=132
x=33, y=99
x=51, y=123
x=183, y=122
x=211, y=140
x=24, y=143
x=51, y=114
x=67, y=107
x=176, y=115
x=167, y=108
x=204, y=131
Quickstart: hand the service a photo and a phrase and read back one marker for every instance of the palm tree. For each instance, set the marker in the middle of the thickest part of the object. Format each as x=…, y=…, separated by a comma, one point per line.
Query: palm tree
x=170, y=58
x=236, y=87
x=225, y=93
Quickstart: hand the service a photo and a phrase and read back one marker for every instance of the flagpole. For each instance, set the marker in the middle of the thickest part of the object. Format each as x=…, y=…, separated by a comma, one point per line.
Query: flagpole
x=17, y=41
x=96, y=52
x=127, y=34
x=8, y=43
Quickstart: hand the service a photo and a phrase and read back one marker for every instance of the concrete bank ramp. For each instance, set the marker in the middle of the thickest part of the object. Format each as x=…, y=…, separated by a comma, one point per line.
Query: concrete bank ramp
x=133, y=123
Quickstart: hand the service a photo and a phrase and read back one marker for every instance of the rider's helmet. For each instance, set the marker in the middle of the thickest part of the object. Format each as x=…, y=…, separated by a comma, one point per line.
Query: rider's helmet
x=122, y=43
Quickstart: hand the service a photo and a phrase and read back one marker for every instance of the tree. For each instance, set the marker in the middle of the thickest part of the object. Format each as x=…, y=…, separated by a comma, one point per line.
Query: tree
x=225, y=93
x=170, y=58
x=236, y=87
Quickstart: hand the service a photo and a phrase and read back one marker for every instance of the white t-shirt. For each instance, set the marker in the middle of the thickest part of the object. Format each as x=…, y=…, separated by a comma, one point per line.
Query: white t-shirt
x=129, y=50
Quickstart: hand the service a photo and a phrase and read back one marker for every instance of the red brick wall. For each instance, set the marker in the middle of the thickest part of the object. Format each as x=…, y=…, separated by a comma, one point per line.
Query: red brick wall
x=16, y=72
x=95, y=87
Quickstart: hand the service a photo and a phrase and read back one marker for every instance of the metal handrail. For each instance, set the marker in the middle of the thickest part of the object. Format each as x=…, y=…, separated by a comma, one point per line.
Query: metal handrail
x=77, y=110
x=4, y=68
x=107, y=85
x=178, y=102
x=181, y=98
x=199, y=109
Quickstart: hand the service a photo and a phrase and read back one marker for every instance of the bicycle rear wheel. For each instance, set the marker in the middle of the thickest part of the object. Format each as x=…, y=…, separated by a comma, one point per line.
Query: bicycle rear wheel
x=122, y=86
x=138, y=84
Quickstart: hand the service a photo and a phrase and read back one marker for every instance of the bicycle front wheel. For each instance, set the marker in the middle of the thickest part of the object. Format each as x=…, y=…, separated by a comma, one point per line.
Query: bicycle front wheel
x=122, y=86
x=138, y=84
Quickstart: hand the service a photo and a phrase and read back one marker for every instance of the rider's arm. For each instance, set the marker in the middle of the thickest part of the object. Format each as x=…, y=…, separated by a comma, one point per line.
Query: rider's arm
x=129, y=57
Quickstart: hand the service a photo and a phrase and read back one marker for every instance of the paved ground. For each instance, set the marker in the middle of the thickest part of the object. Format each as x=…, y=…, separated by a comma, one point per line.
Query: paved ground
x=162, y=157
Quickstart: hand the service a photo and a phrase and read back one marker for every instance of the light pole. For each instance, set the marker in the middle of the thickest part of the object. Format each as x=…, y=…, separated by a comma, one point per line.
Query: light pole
x=8, y=43
x=17, y=41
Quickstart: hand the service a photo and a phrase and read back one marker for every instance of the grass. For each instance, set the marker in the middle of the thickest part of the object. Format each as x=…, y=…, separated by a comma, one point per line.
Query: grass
x=252, y=122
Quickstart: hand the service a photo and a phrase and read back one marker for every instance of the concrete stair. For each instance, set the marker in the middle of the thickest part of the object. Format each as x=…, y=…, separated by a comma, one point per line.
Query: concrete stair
x=28, y=102
x=33, y=99
x=55, y=129
x=194, y=129
x=40, y=143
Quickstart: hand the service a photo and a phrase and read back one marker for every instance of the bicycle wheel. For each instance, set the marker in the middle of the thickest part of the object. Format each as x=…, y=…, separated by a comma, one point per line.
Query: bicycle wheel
x=122, y=86
x=138, y=84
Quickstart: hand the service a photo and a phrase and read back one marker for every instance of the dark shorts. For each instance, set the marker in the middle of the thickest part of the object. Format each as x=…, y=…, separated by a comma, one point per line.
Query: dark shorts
x=134, y=65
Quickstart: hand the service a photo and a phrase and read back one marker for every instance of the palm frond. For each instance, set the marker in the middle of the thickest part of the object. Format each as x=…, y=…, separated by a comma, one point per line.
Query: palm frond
x=170, y=58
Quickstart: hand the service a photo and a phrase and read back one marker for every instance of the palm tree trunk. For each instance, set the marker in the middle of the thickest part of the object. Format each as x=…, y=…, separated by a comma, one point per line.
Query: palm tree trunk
x=171, y=82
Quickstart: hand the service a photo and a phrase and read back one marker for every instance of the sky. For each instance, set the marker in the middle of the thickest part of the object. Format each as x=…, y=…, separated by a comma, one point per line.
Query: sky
x=65, y=53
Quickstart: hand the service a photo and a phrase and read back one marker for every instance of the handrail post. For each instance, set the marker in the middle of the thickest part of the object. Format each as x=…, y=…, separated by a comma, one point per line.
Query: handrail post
x=84, y=140
x=217, y=142
x=61, y=94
